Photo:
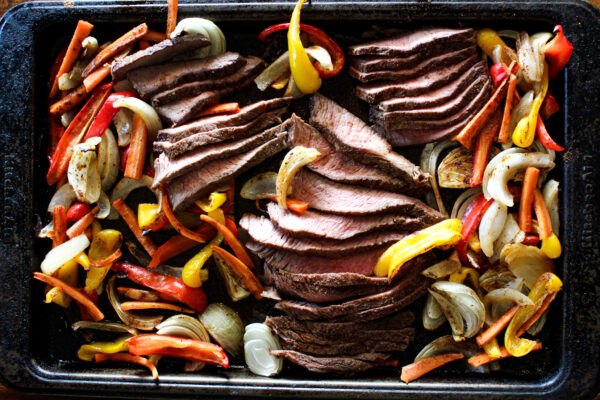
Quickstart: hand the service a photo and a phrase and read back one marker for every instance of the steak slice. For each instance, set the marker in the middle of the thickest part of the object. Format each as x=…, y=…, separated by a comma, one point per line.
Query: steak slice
x=263, y=232
x=157, y=54
x=185, y=109
x=404, y=74
x=439, y=96
x=395, y=120
x=351, y=136
x=201, y=181
x=150, y=80
x=166, y=169
x=176, y=149
x=422, y=40
x=340, y=227
x=250, y=70
x=324, y=195
x=360, y=263
x=336, y=166
x=341, y=365
x=376, y=92
x=245, y=115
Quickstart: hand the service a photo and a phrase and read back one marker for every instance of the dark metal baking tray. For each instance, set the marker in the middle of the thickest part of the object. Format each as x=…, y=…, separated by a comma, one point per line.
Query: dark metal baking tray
x=37, y=347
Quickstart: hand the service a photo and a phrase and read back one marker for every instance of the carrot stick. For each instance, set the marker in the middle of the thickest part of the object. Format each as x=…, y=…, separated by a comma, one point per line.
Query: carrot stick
x=96, y=77
x=80, y=226
x=482, y=358
x=115, y=48
x=177, y=225
x=417, y=369
x=298, y=206
x=137, y=149
x=59, y=219
x=537, y=314
x=154, y=36
x=483, y=147
x=171, y=16
x=529, y=186
x=510, y=95
x=69, y=102
x=144, y=44
x=82, y=31
x=242, y=271
x=123, y=357
x=179, y=244
x=497, y=326
x=79, y=297
x=154, y=305
x=233, y=242
x=108, y=260
x=225, y=108
x=542, y=215
x=131, y=220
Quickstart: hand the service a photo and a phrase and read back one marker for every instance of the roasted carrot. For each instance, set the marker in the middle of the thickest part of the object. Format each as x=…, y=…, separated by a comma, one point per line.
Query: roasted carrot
x=108, y=260
x=154, y=36
x=537, y=314
x=225, y=108
x=230, y=224
x=177, y=225
x=510, y=95
x=542, y=215
x=483, y=147
x=482, y=358
x=297, y=206
x=137, y=148
x=131, y=220
x=171, y=16
x=529, y=186
x=69, y=102
x=124, y=357
x=417, y=369
x=80, y=226
x=154, y=305
x=96, y=77
x=82, y=31
x=79, y=297
x=233, y=242
x=115, y=48
x=242, y=271
x=59, y=221
x=496, y=327
x=144, y=44
x=180, y=244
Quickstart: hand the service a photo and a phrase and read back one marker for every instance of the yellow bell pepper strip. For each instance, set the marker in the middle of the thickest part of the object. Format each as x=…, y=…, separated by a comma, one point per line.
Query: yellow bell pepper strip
x=495, y=329
x=105, y=247
x=87, y=351
x=558, y=51
x=546, y=285
x=488, y=39
x=83, y=260
x=67, y=273
x=551, y=246
x=442, y=234
x=94, y=277
x=215, y=200
x=492, y=348
x=524, y=137
x=305, y=74
x=482, y=358
x=147, y=214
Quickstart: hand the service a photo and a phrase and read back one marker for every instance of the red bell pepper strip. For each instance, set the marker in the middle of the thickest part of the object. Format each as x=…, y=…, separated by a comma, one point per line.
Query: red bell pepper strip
x=470, y=222
x=174, y=287
x=179, y=244
x=173, y=346
x=483, y=146
x=530, y=240
x=499, y=72
x=549, y=107
x=558, y=52
x=544, y=136
x=74, y=133
x=106, y=114
x=319, y=38
x=77, y=211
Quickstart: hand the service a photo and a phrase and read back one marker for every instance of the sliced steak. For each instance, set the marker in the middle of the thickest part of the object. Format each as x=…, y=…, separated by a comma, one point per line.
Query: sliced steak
x=351, y=136
x=395, y=120
x=340, y=227
x=263, y=232
x=166, y=169
x=151, y=80
x=422, y=40
x=157, y=53
x=360, y=263
x=201, y=181
x=176, y=149
x=341, y=365
x=336, y=166
x=250, y=70
x=324, y=195
x=246, y=114
x=439, y=96
x=379, y=91
x=404, y=74
x=183, y=110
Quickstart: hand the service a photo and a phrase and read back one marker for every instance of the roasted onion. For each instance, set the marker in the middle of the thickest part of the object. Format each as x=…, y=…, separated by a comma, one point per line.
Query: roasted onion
x=490, y=227
x=225, y=326
x=527, y=262
x=63, y=253
x=83, y=172
x=295, y=159
x=143, y=322
x=261, y=186
x=144, y=110
x=467, y=304
x=259, y=340
x=455, y=169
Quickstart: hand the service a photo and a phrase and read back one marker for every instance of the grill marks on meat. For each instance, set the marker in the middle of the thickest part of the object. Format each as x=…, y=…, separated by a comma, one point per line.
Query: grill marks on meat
x=353, y=137
x=342, y=366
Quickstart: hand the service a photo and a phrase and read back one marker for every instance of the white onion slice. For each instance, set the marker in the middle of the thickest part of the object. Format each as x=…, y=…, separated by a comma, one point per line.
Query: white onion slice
x=273, y=71
x=465, y=198
x=511, y=233
x=205, y=27
x=124, y=187
x=64, y=196
x=490, y=227
x=225, y=326
x=550, y=194
x=490, y=167
x=503, y=295
x=466, y=301
x=63, y=253
x=295, y=159
x=108, y=146
x=261, y=186
x=321, y=55
x=527, y=262
x=433, y=315
x=429, y=158
x=258, y=343
x=123, y=121
x=104, y=205
x=144, y=110
x=83, y=172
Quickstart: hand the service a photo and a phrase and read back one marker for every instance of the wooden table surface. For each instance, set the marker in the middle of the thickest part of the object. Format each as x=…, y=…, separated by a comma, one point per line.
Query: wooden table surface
x=6, y=394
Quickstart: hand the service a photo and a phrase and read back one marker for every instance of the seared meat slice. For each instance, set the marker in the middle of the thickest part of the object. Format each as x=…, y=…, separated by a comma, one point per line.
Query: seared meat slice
x=183, y=110
x=342, y=365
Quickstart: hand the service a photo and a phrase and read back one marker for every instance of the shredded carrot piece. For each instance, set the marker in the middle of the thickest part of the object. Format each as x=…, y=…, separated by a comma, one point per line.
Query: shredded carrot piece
x=154, y=305
x=123, y=357
x=79, y=297
x=538, y=313
x=177, y=225
x=59, y=219
x=297, y=206
x=417, y=369
x=96, y=77
x=542, y=215
x=510, y=95
x=242, y=271
x=82, y=31
x=496, y=327
x=482, y=358
x=233, y=242
x=69, y=102
x=137, y=149
x=225, y=108
x=171, y=16
x=80, y=226
x=131, y=220
x=154, y=36
x=529, y=186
